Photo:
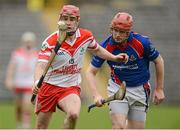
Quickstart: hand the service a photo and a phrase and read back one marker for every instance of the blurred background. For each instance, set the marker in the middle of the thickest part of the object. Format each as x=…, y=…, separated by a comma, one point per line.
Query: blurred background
x=158, y=19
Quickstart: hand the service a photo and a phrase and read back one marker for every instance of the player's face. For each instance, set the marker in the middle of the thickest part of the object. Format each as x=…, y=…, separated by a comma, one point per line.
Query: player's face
x=72, y=22
x=29, y=44
x=120, y=36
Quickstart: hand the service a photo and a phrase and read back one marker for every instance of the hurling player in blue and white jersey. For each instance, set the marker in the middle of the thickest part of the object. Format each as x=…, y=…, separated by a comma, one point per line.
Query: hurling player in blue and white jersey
x=131, y=112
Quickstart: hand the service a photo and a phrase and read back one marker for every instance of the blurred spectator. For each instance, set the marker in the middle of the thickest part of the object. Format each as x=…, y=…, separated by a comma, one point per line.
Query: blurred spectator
x=19, y=77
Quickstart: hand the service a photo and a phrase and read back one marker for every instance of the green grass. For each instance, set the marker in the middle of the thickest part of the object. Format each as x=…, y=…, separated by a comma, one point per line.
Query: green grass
x=163, y=116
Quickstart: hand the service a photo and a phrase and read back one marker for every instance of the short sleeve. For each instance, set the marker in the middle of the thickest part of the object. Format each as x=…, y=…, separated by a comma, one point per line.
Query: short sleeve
x=45, y=52
x=97, y=61
x=93, y=44
x=150, y=51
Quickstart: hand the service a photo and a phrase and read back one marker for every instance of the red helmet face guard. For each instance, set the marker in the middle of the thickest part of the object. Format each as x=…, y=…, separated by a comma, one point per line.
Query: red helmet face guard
x=70, y=10
x=122, y=21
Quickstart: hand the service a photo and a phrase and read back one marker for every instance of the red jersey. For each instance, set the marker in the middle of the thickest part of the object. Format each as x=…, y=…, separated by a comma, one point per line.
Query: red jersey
x=66, y=67
x=24, y=67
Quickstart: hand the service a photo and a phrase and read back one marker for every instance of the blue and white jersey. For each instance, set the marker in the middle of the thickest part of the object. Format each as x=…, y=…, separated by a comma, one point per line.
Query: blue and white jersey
x=136, y=71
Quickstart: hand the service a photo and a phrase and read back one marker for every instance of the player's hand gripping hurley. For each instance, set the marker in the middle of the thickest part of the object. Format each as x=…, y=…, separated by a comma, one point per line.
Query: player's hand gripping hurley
x=62, y=36
x=119, y=95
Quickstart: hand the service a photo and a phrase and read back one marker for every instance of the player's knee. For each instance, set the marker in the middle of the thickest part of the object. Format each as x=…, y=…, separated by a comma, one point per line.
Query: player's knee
x=118, y=125
x=42, y=124
x=73, y=116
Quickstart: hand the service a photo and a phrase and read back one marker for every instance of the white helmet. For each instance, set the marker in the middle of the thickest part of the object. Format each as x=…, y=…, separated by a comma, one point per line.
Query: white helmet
x=28, y=36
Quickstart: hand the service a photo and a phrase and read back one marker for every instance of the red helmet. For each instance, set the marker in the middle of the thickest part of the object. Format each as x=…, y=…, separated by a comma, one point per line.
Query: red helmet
x=122, y=21
x=70, y=10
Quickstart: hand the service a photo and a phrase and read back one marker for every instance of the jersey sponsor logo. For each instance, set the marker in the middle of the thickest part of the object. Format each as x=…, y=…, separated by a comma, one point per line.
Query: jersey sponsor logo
x=120, y=67
x=70, y=69
x=82, y=51
x=131, y=67
x=60, y=53
x=71, y=61
x=44, y=46
x=132, y=58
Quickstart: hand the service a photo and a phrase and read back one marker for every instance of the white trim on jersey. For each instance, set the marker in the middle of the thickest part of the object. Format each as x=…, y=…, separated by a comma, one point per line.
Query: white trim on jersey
x=46, y=53
x=40, y=60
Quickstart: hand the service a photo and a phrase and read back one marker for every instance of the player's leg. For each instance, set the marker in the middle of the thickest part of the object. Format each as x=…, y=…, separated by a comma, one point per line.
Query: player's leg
x=18, y=109
x=135, y=124
x=71, y=106
x=43, y=119
x=137, y=117
x=26, y=110
x=118, y=114
x=118, y=109
x=46, y=102
x=139, y=100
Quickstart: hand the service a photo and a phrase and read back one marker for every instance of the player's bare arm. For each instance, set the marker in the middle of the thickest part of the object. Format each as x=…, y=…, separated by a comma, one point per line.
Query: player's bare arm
x=90, y=75
x=40, y=66
x=9, y=76
x=101, y=52
x=159, y=96
x=159, y=65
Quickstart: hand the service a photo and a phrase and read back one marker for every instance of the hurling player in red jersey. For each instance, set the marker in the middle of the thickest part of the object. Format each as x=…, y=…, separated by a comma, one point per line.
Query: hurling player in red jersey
x=131, y=112
x=61, y=86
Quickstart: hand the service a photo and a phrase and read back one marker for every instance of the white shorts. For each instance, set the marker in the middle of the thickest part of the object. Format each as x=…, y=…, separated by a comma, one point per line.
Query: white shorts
x=134, y=105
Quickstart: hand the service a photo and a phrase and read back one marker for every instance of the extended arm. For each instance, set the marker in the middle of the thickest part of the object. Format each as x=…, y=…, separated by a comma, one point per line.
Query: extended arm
x=101, y=52
x=90, y=76
x=158, y=95
x=39, y=69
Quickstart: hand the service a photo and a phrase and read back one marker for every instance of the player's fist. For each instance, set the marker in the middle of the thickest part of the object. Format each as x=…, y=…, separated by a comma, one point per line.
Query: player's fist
x=35, y=89
x=98, y=100
x=122, y=57
x=158, y=96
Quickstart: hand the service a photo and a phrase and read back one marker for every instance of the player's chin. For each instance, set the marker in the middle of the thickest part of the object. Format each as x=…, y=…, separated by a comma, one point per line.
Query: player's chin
x=118, y=40
x=70, y=29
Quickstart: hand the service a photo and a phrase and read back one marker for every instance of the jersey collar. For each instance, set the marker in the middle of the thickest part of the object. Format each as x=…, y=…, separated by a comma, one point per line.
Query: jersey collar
x=122, y=47
x=77, y=34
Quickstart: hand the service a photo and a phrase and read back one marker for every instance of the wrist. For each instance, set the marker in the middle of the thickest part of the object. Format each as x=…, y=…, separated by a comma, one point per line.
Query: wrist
x=95, y=95
x=115, y=58
x=159, y=88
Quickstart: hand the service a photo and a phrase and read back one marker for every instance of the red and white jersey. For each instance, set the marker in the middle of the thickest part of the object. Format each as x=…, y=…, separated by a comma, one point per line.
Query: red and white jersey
x=24, y=67
x=66, y=67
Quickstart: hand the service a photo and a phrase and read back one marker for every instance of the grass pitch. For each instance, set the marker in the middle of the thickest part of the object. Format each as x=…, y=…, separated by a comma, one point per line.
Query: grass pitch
x=159, y=117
